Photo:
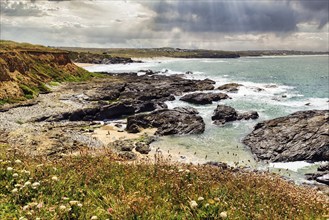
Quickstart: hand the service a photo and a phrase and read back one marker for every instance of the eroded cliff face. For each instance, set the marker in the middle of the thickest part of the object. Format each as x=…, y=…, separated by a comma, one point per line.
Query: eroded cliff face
x=24, y=72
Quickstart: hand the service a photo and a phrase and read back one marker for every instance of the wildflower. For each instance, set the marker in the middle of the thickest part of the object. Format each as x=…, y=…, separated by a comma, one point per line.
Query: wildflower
x=14, y=190
x=35, y=185
x=27, y=183
x=94, y=217
x=187, y=171
x=200, y=198
x=9, y=169
x=180, y=170
x=74, y=202
x=223, y=215
x=15, y=175
x=55, y=178
x=18, y=161
x=22, y=218
x=193, y=204
x=26, y=207
x=80, y=205
x=110, y=210
x=40, y=205
x=62, y=207
x=18, y=185
x=206, y=205
x=65, y=198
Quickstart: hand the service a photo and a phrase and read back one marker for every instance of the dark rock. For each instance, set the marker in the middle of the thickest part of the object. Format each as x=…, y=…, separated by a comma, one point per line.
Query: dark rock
x=127, y=155
x=230, y=87
x=143, y=148
x=299, y=136
x=149, y=72
x=223, y=114
x=324, y=167
x=168, y=122
x=248, y=115
x=123, y=145
x=188, y=72
x=323, y=179
x=203, y=98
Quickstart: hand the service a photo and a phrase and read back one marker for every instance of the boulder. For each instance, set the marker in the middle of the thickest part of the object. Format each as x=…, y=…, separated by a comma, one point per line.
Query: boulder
x=143, y=148
x=168, y=122
x=230, y=87
x=223, y=114
x=300, y=136
x=203, y=98
x=248, y=115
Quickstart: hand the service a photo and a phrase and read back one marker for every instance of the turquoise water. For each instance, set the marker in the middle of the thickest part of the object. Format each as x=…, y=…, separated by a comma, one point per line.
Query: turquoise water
x=272, y=86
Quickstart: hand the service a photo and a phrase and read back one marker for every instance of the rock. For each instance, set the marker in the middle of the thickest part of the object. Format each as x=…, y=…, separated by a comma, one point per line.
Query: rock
x=248, y=115
x=168, y=122
x=143, y=148
x=123, y=145
x=189, y=72
x=223, y=114
x=324, y=167
x=300, y=136
x=221, y=165
x=230, y=87
x=128, y=155
x=323, y=179
x=203, y=98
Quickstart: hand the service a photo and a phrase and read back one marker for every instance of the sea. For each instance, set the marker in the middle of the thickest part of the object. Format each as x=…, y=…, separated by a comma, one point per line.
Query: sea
x=274, y=86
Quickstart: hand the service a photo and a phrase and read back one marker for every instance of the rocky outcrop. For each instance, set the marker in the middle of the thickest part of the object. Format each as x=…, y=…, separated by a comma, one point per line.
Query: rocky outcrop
x=223, y=114
x=95, y=58
x=25, y=68
x=203, y=98
x=230, y=87
x=299, y=136
x=168, y=121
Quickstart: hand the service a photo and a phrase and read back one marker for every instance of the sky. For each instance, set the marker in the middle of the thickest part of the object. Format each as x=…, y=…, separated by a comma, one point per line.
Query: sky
x=191, y=24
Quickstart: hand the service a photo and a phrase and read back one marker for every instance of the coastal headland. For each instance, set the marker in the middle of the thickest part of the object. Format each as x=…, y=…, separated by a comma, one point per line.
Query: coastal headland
x=79, y=124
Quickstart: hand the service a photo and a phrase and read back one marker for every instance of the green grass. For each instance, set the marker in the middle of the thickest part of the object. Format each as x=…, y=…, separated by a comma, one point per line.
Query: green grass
x=79, y=187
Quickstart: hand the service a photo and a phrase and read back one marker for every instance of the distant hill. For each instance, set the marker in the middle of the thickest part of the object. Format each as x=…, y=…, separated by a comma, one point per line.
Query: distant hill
x=75, y=52
x=25, y=68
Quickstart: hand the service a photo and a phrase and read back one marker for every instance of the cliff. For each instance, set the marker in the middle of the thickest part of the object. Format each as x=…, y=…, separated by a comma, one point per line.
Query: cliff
x=25, y=68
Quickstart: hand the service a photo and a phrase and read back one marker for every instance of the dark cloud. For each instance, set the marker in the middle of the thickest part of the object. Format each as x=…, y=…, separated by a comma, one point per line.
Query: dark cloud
x=237, y=16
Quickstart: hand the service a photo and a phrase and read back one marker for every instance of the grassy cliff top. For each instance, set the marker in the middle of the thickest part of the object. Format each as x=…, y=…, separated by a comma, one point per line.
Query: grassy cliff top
x=9, y=46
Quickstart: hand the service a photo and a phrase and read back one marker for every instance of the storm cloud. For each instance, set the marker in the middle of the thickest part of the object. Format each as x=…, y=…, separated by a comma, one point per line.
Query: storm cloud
x=208, y=24
x=238, y=16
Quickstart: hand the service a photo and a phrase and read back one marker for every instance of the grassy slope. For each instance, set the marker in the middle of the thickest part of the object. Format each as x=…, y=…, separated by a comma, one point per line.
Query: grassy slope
x=84, y=186
x=26, y=68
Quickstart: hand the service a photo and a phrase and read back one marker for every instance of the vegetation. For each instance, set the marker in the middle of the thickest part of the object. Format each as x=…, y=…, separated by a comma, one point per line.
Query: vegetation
x=25, y=69
x=175, y=52
x=101, y=187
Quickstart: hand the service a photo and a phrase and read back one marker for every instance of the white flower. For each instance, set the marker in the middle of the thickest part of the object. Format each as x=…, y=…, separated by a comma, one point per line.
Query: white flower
x=18, y=161
x=15, y=175
x=187, y=171
x=55, y=178
x=206, y=205
x=22, y=218
x=26, y=207
x=181, y=170
x=200, y=198
x=223, y=215
x=193, y=204
x=74, y=202
x=79, y=204
x=27, y=183
x=14, y=190
x=35, y=185
x=65, y=198
x=9, y=169
x=94, y=217
x=18, y=185
x=62, y=207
